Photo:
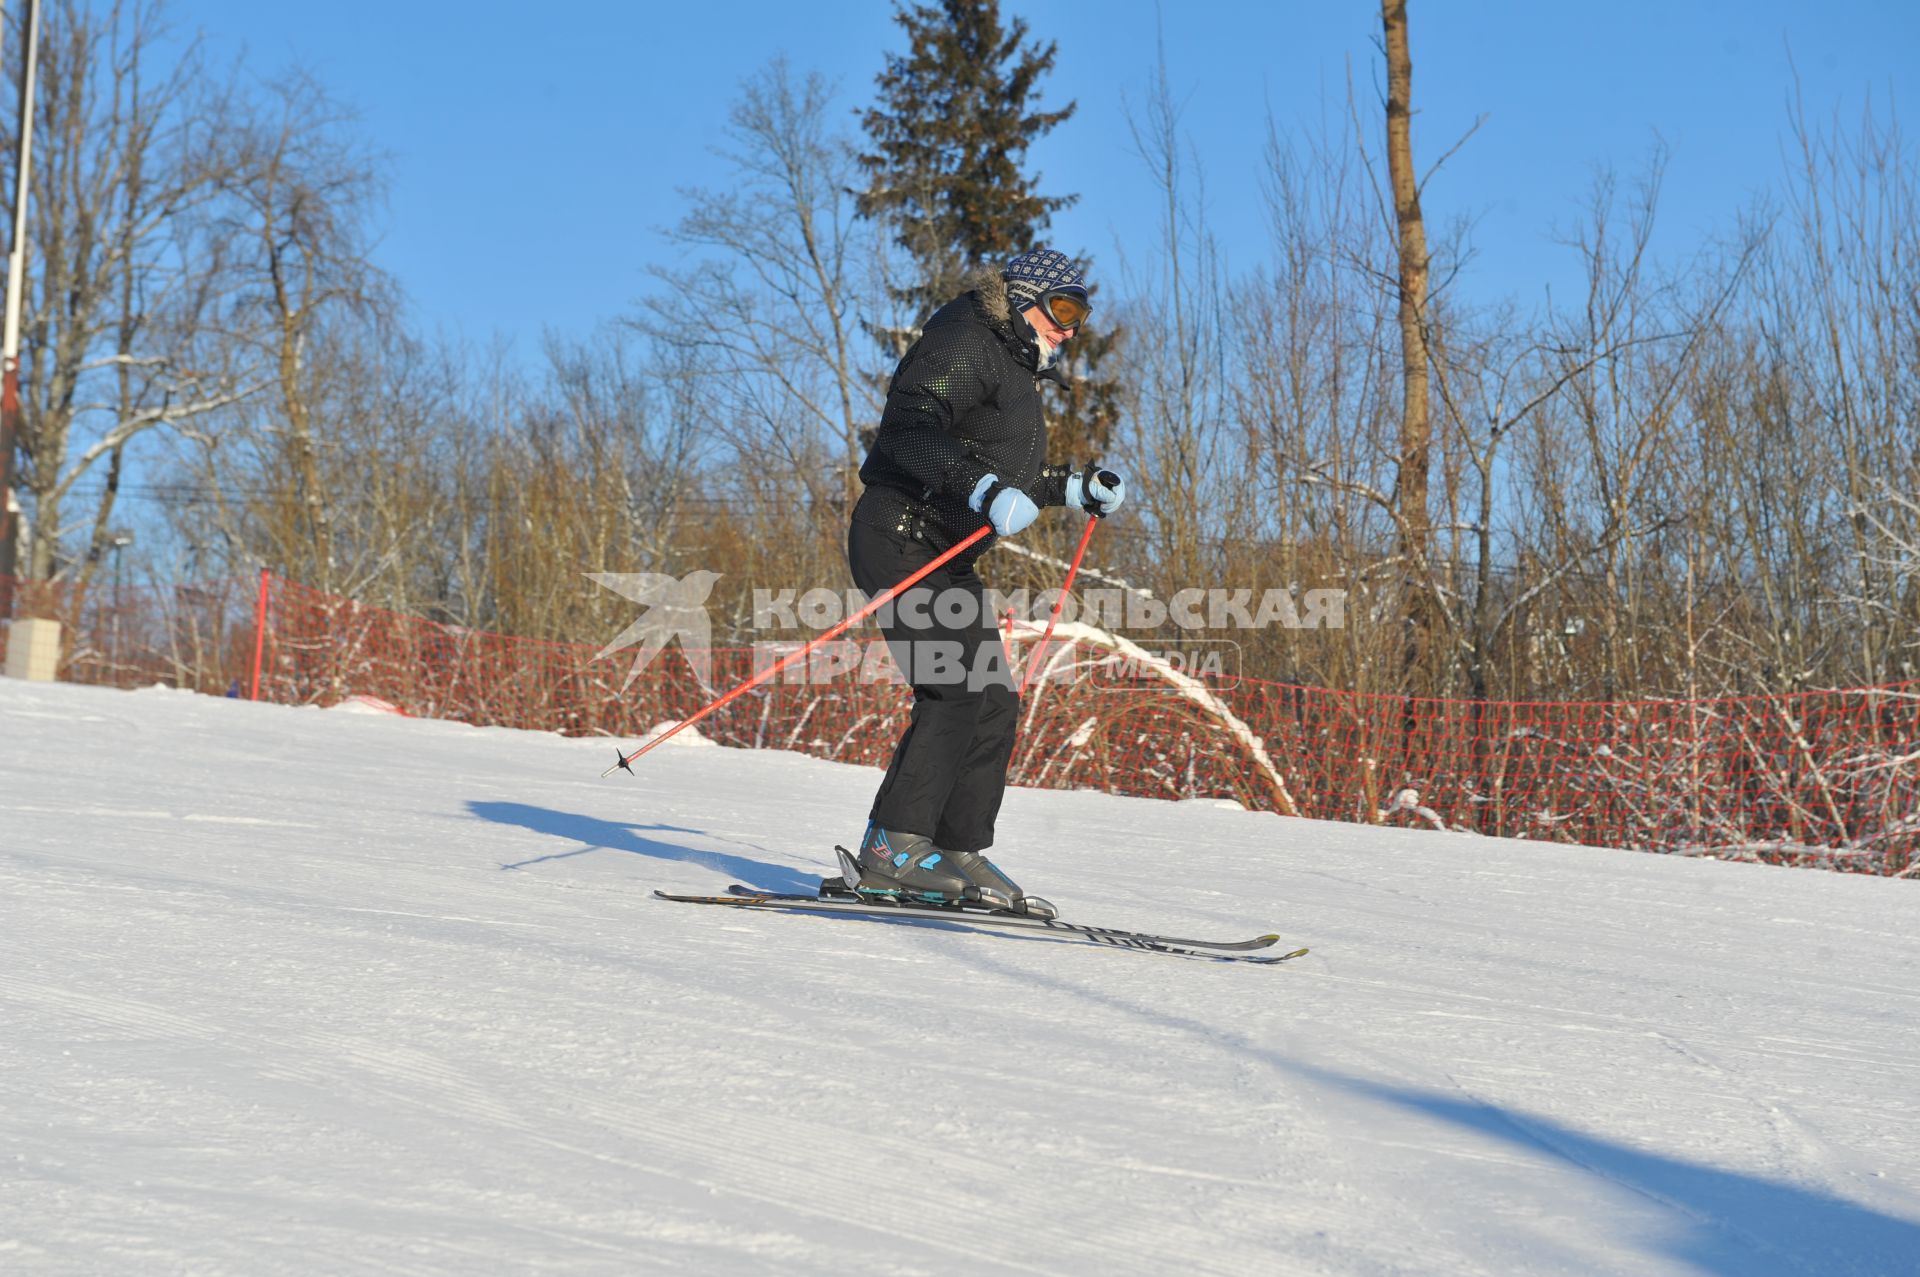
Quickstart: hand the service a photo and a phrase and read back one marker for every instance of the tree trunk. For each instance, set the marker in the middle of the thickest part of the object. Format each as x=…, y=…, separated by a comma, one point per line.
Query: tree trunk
x=1416, y=429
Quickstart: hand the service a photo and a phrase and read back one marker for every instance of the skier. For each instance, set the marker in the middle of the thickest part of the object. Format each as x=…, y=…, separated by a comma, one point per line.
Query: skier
x=961, y=443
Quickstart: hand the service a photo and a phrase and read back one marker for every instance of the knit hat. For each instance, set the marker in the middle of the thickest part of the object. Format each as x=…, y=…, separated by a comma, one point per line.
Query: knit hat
x=1037, y=270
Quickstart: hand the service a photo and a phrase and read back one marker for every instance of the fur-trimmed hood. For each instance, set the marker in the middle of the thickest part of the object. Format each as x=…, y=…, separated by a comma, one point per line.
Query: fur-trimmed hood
x=987, y=292
x=992, y=291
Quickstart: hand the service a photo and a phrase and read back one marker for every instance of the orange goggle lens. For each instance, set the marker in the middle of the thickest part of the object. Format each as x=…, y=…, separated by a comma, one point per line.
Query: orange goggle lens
x=1068, y=309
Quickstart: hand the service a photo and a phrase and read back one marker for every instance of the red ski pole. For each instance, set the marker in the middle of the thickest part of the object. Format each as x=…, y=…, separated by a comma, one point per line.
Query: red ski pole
x=1073, y=570
x=878, y=601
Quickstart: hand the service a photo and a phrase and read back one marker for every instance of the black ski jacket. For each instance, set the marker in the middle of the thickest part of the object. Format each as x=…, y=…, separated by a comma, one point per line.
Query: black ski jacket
x=963, y=404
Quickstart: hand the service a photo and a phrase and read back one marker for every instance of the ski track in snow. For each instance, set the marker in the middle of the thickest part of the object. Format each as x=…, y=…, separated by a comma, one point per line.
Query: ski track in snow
x=291, y=991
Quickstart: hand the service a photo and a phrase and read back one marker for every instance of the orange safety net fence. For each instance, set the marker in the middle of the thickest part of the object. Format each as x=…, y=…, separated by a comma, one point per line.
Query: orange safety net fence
x=1827, y=778
x=198, y=636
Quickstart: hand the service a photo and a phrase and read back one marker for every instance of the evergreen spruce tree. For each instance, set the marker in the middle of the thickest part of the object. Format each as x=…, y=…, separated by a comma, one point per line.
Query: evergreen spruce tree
x=947, y=136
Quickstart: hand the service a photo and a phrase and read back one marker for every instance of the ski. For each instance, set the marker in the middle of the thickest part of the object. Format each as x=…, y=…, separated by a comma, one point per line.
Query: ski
x=835, y=890
x=1226, y=951
x=1142, y=941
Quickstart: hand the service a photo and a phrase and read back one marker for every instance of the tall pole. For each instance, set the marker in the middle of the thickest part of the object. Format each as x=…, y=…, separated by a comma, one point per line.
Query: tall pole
x=260, y=630
x=16, y=281
x=119, y=547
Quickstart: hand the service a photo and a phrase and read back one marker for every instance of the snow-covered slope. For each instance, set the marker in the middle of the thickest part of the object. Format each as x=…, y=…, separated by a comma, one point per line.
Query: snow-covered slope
x=302, y=991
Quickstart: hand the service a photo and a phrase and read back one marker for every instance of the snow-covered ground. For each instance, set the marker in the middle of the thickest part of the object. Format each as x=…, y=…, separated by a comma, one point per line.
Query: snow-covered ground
x=305, y=991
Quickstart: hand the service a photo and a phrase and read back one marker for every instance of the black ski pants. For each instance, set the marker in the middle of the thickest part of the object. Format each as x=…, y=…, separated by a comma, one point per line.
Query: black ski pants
x=949, y=770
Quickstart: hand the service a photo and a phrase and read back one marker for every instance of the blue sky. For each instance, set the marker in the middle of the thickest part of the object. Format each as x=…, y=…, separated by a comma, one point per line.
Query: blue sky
x=535, y=152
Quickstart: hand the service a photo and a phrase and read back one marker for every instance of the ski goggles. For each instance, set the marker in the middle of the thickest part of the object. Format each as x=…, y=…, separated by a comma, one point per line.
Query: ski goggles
x=1068, y=306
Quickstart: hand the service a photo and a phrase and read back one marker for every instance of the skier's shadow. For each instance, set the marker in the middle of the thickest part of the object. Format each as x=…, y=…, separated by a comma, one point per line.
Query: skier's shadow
x=1725, y=1223
x=1728, y=1222
x=591, y=834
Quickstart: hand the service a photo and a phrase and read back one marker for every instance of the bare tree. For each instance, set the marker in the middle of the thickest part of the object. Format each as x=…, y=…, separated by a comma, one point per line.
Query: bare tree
x=125, y=270
x=589, y=469
x=299, y=187
x=1313, y=390
x=772, y=307
x=1851, y=269
x=1416, y=427
x=1177, y=350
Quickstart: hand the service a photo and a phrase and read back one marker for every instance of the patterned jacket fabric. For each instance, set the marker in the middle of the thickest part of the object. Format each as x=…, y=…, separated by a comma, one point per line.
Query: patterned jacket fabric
x=964, y=403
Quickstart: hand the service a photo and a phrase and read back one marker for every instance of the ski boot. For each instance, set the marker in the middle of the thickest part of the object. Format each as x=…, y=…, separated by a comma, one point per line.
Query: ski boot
x=988, y=879
x=908, y=867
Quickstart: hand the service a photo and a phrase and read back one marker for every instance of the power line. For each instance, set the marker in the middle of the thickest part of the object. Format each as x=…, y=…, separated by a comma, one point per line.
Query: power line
x=189, y=495
x=181, y=494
